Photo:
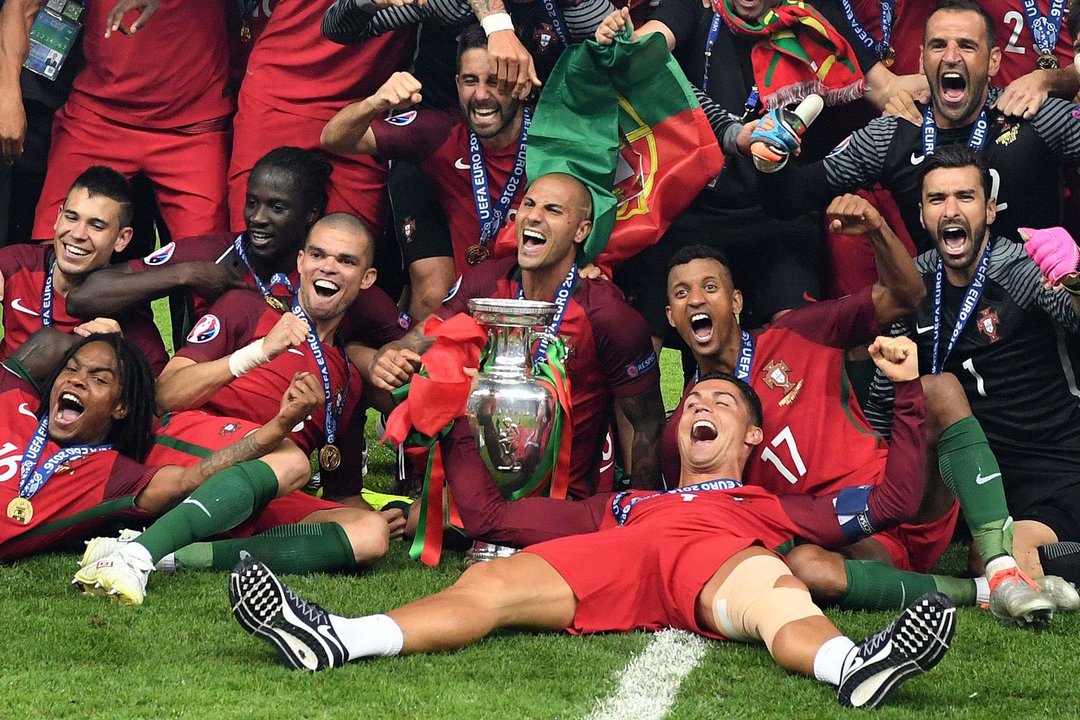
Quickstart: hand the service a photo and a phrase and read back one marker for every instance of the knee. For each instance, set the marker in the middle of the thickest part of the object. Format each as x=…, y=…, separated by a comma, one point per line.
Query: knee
x=290, y=465
x=946, y=402
x=820, y=570
x=368, y=533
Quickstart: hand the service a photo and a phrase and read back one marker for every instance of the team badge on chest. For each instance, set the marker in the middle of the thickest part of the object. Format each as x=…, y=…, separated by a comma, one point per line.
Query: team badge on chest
x=1008, y=134
x=988, y=324
x=777, y=375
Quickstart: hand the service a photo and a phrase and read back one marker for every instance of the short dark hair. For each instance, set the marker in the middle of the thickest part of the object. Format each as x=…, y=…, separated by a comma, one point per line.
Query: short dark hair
x=131, y=435
x=471, y=38
x=698, y=252
x=350, y=224
x=966, y=6
x=310, y=168
x=104, y=180
x=958, y=156
x=753, y=402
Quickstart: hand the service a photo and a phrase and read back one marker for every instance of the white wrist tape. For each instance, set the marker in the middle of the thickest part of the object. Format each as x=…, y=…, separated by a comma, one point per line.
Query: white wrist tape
x=497, y=22
x=247, y=358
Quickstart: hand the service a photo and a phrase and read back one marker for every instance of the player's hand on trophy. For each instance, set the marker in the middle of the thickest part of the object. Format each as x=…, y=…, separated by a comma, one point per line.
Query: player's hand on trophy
x=896, y=357
x=852, y=215
x=290, y=331
x=393, y=367
x=303, y=396
x=400, y=91
x=612, y=25
x=1053, y=250
x=101, y=325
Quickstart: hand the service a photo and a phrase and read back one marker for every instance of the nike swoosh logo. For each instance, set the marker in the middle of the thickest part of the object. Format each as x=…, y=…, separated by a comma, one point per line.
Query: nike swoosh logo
x=981, y=479
x=920, y=329
x=917, y=159
x=460, y=164
x=16, y=304
x=24, y=408
x=297, y=352
x=244, y=554
x=196, y=503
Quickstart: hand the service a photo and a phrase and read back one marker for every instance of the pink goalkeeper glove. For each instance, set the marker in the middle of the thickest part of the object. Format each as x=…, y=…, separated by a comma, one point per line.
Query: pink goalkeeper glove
x=1053, y=250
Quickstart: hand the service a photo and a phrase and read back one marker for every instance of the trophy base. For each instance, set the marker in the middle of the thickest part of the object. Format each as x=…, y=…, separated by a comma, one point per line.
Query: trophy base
x=486, y=552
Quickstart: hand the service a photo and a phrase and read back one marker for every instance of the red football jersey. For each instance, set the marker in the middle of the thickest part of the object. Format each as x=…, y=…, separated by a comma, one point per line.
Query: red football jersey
x=816, y=438
x=240, y=317
x=24, y=268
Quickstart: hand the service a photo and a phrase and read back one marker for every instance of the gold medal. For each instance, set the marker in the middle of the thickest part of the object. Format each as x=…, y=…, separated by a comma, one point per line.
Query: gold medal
x=888, y=56
x=477, y=254
x=20, y=510
x=276, y=303
x=1047, y=61
x=245, y=32
x=329, y=457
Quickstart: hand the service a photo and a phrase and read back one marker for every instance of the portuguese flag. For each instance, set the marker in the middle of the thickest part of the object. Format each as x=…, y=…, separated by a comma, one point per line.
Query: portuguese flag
x=624, y=120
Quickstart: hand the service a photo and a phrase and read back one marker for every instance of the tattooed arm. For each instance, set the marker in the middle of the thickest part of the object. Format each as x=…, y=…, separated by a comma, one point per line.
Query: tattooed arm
x=645, y=414
x=172, y=483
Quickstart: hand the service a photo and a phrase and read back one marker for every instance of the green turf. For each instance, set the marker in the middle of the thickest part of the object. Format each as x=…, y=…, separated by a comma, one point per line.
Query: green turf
x=182, y=655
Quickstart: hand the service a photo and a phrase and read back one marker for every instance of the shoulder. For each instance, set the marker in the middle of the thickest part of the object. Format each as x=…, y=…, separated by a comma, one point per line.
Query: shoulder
x=927, y=262
x=29, y=256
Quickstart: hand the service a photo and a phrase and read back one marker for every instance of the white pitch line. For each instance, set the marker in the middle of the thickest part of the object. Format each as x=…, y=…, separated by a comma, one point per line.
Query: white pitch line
x=650, y=683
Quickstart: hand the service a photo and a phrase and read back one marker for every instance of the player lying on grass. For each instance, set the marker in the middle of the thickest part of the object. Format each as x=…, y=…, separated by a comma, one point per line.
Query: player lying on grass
x=74, y=456
x=693, y=558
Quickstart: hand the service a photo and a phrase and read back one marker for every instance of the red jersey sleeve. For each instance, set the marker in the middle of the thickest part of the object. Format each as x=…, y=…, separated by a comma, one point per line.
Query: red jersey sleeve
x=414, y=135
x=229, y=325
x=623, y=344
x=840, y=323
x=481, y=281
x=208, y=248
x=140, y=331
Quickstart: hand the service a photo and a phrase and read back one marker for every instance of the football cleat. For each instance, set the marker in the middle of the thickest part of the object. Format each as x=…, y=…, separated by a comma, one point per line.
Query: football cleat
x=1016, y=598
x=116, y=575
x=299, y=630
x=1061, y=591
x=99, y=547
x=912, y=644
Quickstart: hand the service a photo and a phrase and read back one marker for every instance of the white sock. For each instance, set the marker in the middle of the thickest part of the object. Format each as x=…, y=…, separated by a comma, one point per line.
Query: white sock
x=368, y=636
x=829, y=661
x=135, y=550
x=1004, y=562
x=982, y=591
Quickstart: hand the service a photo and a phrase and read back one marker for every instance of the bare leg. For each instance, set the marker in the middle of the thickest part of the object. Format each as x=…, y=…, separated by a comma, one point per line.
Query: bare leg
x=1027, y=537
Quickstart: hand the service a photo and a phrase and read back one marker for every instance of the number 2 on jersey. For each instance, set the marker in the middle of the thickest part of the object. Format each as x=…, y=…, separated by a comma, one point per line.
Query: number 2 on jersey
x=785, y=437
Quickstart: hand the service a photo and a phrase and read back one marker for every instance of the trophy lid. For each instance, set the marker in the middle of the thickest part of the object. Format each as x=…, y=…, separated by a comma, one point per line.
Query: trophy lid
x=516, y=313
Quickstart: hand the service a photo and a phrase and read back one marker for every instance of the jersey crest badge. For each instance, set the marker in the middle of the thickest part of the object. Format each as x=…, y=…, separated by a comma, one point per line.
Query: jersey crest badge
x=403, y=119
x=205, y=330
x=988, y=324
x=228, y=429
x=1008, y=134
x=777, y=375
x=543, y=37
x=408, y=229
x=161, y=255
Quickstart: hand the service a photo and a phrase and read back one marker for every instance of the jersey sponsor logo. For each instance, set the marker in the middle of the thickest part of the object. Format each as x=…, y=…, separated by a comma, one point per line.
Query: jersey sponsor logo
x=460, y=164
x=205, y=330
x=917, y=159
x=24, y=409
x=642, y=366
x=161, y=256
x=777, y=375
x=16, y=304
x=453, y=290
x=981, y=479
x=921, y=329
x=403, y=119
x=841, y=147
x=988, y=324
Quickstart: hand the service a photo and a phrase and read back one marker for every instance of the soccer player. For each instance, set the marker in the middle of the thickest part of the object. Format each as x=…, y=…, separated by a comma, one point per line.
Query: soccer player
x=476, y=160
x=94, y=222
x=610, y=352
x=693, y=558
x=77, y=450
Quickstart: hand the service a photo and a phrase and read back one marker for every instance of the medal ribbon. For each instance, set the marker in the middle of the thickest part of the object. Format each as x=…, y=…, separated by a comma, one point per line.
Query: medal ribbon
x=745, y=361
x=275, y=279
x=557, y=22
x=967, y=307
x=31, y=477
x=976, y=141
x=622, y=512
x=752, y=98
x=1045, y=28
x=47, y=296
x=561, y=300
x=864, y=35
x=491, y=216
x=332, y=410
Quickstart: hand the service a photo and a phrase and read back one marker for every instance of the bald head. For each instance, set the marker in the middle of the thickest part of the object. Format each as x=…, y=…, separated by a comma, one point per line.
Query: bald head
x=343, y=222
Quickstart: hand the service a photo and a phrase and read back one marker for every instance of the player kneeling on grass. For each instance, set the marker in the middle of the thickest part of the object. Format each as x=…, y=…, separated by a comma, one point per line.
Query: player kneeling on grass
x=78, y=460
x=693, y=558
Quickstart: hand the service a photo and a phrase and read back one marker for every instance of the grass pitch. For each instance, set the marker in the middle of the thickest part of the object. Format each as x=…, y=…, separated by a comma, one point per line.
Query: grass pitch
x=182, y=655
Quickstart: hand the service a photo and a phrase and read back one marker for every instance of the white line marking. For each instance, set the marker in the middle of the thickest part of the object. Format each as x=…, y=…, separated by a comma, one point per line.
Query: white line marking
x=650, y=683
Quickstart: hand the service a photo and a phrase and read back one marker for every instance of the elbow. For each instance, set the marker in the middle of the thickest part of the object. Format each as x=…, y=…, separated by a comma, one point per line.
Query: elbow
x=77, y=305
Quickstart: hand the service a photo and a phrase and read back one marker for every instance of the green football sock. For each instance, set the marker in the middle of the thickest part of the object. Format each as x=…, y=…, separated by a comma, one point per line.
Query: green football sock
x=873, y=585
x=306, y=548
x=969, y=468
x=221, y=503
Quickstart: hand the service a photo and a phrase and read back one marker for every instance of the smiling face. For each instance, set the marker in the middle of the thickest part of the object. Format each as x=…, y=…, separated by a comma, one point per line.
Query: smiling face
x=752, y=10
x=87, y=233
x=552, y=221
x=488, y=113
x=716, y=429
x=957, y=215
x=958, y=61
x=702, y=304
x=334, y=267
x=276, y=220
x=85, y=399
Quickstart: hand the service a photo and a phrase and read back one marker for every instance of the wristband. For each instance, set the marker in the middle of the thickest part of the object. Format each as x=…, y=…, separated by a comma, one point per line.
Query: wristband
x=247, y=358
x=497, y=22
x=1071, y=283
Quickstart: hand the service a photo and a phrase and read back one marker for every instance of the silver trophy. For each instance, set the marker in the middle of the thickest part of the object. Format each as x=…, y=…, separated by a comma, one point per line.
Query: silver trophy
x=510, y=410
